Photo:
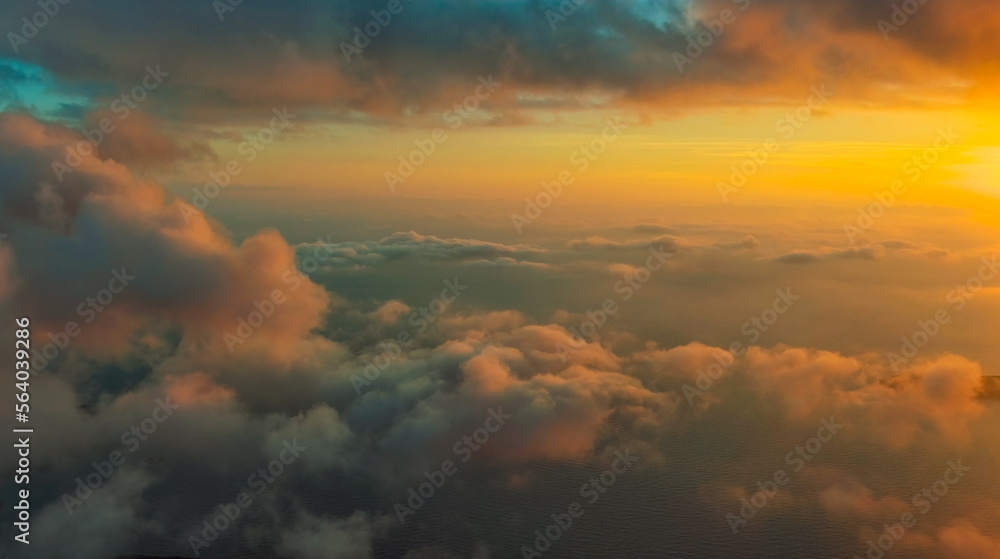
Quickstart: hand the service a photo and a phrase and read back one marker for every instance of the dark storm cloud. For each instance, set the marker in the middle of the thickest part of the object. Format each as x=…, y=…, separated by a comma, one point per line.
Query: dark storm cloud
x=271, y=54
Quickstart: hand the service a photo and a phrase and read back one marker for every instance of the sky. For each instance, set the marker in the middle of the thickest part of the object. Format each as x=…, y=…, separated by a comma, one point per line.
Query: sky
x=294, y=263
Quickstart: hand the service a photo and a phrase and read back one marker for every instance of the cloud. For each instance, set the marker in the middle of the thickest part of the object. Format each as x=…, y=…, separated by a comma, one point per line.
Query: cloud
x=504, y=261
x=139, y=142
x=328, y=538
x=670, y=244
x=876, y=252
x=851, y=499
x=937, y=397
x=619, y=51
x=748, y=242
x=100, y=223
x=111, y=515
x=390, y=312
x=965, y=540
x=423, y=247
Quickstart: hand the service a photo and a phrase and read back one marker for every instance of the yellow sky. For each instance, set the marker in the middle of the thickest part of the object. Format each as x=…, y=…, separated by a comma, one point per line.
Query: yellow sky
x=840, y=154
